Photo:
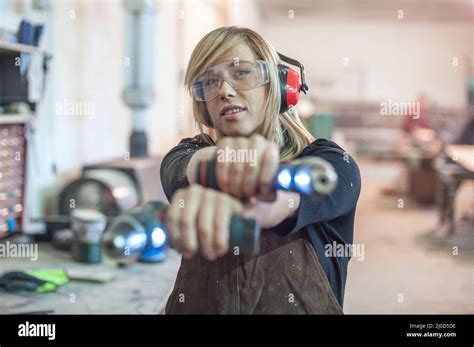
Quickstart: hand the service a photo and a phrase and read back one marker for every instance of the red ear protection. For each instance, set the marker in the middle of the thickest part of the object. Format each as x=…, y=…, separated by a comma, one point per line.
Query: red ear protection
x=290, y=86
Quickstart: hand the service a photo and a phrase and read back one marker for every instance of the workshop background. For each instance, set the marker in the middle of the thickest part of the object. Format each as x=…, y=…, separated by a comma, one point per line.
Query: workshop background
x=392, y=82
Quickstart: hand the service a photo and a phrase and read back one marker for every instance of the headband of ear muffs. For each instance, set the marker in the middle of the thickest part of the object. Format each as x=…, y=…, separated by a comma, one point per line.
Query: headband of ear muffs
x=290, y=86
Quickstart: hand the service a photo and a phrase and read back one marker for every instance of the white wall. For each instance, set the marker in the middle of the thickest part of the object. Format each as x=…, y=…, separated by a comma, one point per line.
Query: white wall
x=396, y=59
x=88, y=68
x=244, y=13
x=91, y=52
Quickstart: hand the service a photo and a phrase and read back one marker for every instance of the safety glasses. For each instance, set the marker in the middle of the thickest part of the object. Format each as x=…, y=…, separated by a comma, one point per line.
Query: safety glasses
x=240, y=75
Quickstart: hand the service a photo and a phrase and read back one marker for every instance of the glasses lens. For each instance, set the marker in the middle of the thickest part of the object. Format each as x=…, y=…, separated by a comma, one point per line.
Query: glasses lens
x=206, y=87
x=240, y=76
x=244, y=76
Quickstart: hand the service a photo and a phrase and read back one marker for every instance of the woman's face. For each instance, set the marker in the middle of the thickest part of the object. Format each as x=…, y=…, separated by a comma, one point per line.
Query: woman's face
x=251, y=102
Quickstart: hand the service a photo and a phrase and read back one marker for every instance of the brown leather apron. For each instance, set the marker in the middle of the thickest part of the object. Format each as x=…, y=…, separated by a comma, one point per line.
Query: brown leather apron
x=284, y=278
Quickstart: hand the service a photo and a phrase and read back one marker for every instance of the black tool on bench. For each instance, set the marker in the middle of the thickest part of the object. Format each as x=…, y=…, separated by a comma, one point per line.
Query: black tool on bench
x=17, y=281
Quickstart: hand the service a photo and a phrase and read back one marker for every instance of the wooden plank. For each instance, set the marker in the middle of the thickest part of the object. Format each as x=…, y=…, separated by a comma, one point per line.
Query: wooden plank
x=14, y=118
x=18, y=47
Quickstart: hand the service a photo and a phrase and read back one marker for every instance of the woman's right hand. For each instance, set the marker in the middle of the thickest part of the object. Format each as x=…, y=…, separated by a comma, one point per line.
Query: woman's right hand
x=243, y=179
x=198, y=219
x=252, y=172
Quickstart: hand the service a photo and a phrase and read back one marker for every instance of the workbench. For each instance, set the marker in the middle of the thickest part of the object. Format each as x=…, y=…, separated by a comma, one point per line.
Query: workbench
x=137, y=288
x=454, y=166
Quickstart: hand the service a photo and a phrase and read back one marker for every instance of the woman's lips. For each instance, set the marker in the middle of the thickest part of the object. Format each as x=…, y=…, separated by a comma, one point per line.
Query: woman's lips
x=233, y=116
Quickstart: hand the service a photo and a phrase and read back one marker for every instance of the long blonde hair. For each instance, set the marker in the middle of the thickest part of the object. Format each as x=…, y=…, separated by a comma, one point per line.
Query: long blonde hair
x=285, y=129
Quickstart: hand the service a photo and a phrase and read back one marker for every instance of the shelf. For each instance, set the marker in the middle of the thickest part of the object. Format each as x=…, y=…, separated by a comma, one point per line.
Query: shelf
x=18, y=47
x=14, y=118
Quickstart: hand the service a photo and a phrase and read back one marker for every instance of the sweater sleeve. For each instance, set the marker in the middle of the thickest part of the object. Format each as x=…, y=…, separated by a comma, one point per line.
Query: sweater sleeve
x=173, y=167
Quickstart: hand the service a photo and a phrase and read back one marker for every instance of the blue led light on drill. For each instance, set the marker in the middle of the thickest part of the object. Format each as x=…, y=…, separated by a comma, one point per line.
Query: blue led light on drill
x=158, y=237
x=302, y=179
x=284, y=178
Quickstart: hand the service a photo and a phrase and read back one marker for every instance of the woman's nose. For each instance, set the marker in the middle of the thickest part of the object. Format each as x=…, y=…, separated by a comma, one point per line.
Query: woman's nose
x=226, y=90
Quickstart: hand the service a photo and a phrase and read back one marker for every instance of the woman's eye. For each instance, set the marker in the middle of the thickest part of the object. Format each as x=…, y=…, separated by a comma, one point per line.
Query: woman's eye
x=241, y=73
x=211, y=81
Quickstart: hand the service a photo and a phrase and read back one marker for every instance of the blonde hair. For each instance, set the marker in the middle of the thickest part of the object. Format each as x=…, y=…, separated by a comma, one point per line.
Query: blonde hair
x=285, y=129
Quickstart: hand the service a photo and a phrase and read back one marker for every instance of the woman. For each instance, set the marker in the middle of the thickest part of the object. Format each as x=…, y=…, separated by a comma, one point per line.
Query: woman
x=233, y=77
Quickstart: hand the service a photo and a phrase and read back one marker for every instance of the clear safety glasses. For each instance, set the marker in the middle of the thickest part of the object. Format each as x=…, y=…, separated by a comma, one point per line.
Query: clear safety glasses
x=240, y=75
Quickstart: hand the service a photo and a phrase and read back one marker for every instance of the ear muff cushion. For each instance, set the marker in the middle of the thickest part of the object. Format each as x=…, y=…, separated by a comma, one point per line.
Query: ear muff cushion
x=292, y=87
x=289, y=87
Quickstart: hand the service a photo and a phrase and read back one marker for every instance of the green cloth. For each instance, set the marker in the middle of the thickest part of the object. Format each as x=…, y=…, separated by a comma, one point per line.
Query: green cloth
x=54, y=278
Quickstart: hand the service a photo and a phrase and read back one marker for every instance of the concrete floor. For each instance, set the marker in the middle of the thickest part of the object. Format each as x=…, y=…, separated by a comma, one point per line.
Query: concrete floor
x=404, y=270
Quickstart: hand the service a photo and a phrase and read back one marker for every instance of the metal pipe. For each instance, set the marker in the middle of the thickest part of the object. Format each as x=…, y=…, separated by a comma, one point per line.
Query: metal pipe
x=138, y=93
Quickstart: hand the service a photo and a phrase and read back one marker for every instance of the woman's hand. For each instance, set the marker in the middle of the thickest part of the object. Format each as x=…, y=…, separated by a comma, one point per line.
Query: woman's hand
x=246, y=167
x=270, y=214
x=198, y=219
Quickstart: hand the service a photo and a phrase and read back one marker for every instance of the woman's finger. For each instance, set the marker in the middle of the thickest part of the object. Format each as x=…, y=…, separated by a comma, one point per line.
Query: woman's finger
x=249, y=184
x=188, y=207
x=222, y=165
x=172, y=219
x=205, y=221
x=221, y=224
x=268, y=169
x=237, y=169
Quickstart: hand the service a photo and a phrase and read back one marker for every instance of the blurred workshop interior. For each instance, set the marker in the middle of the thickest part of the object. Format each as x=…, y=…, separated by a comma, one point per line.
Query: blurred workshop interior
x=392, y=82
